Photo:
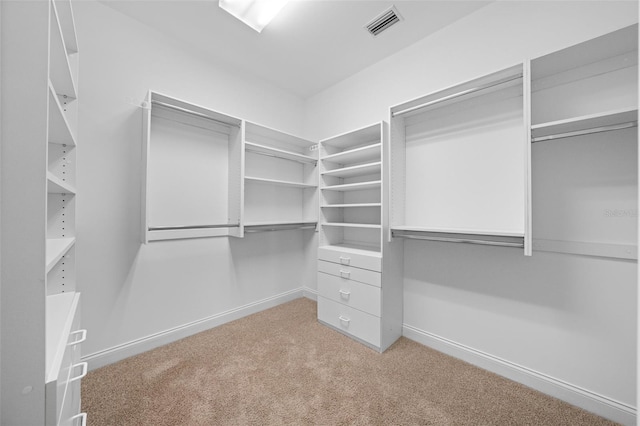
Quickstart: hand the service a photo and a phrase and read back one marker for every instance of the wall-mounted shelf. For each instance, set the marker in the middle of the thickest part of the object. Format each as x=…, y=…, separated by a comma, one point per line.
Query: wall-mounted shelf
x=59, y=128
x=584, y=125
x=353, y=225
x=351, y=171
x=359, y=186
x=56, y=185
x=356, y=155
x=492, y=238
x=279, y=226
x=61, y=74
x=279, y=153
x=279, y=182
x=56, y=249
x=352, y=205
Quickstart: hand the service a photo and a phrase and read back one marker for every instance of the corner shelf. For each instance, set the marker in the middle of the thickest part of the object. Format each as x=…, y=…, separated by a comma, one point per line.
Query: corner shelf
x=56, y=248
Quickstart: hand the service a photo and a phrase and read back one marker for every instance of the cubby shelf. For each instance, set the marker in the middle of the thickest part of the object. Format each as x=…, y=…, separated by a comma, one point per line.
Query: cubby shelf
x=353, y=186
x=279, y=182
x=59, y=129
x=61, y=74
x=610, y=120
x=356, y=155
x=279, y=153
x=56, y=185
x=56, y=248
x=352, y=205
x=359, y=170
x=353, y=225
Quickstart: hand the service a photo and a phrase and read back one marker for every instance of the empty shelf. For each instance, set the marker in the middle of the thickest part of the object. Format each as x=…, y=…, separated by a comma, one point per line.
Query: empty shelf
x=60, y=68
x=59, y=128
x=279, y=153
x=340, y=206
x=280, y=182
x=484, y=237
x=56, y=248
x=594, y=123
x=60, y=311
x=359, y=170
x=353, y=248
x=356, y=155
x=56, y=185
x=353, y=225
x=278, y=226
x=354, y=186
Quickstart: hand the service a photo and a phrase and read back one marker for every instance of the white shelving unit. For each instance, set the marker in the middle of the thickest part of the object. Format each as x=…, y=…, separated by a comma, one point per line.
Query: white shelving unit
x=584, y=115
x=461, y=163
x=280, y=182
x=41, y=368
x=359, y=293
x=190, y=150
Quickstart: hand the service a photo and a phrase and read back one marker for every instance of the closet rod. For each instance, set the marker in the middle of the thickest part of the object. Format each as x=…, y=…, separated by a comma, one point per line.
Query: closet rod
x=457, y=95
x=190, y=112
x=600, y=129
x=461, y=240
x=182, y=227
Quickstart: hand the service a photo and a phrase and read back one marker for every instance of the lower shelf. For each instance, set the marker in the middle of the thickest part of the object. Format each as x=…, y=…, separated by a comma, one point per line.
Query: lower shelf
x=61, y=310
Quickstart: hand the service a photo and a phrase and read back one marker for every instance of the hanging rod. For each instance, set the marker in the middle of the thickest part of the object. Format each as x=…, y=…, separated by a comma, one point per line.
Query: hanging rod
x=600, y=129
x=279, y=227
x=466, y=240
x=190, y=112
x=185, y=227
x=457, y=95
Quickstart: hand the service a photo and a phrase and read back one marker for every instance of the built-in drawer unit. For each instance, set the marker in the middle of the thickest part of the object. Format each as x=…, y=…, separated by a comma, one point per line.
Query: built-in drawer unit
x=350, y=273
x=361, y=325
x=350, y=258
x=358, y=295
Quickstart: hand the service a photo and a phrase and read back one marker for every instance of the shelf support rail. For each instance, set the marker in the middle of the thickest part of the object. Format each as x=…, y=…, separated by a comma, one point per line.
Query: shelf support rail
x=279, y=227
x=458, y=94
x=190, y=112
x=485, y=239
x=583, y=132
x=184, y=227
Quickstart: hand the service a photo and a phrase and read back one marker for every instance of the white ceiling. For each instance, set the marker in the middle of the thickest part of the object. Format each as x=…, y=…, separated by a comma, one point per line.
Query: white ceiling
x=309, y=46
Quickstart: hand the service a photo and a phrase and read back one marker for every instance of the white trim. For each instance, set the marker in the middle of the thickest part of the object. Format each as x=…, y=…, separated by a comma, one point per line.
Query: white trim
x=583, y=398
x=135, y=347
x=310, y=293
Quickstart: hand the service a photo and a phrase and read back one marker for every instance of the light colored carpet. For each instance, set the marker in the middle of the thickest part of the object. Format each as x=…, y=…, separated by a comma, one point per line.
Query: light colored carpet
x=281, y=366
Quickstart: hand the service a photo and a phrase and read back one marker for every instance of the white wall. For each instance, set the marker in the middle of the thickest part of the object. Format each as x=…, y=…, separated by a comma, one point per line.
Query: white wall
x=131, y=291
x=566, y=320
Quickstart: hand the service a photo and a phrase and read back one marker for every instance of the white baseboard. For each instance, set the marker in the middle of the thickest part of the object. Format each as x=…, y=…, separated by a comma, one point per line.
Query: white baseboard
x=575, y=395
x=135, y=347
x=310, y=293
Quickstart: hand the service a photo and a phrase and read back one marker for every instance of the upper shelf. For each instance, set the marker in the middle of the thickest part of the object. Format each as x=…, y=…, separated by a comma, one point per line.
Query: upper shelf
x=354, y=186
x=368, y=136
x=60, y=72
x=593, y=123
x=280, y=182
x=359, y=170
x=67, y=24
x=59, y=129
x=279, y=153
x=56, y=185
x=356, y=155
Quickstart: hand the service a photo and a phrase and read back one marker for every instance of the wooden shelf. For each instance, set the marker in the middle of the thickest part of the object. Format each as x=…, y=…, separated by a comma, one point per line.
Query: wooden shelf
x=575, y=126
x=353, y=225
x=60, y=72
x=354, y=186
x=60, y=309
x=340, y=206
x=359, y=170
x=279, y=153
x=59, y=129
x=56, y=185
x=279, y=182
x=55, y=249
x=356, y=155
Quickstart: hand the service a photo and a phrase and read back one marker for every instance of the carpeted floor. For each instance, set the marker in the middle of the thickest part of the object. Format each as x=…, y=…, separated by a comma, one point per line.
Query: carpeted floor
x=281, y=366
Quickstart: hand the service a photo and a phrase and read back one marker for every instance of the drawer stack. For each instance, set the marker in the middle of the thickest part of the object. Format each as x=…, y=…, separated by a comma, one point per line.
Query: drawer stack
x=350, y=293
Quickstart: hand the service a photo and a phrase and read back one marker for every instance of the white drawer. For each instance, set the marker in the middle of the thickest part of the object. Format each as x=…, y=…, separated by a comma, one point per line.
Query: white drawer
x=345, y=257
x=350, y=273
x=359, y=324
x=351, y=293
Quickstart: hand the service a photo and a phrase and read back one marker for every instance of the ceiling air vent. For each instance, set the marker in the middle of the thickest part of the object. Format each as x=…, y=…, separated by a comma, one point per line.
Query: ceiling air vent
x=388, y=18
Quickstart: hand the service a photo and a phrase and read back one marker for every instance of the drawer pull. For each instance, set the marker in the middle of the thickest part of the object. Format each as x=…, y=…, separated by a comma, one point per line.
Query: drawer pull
x=82, y=338
x=345, y=260
x=345, y=274
x=84, y=366
x=344, y=320
x=81, y=416
x=344, y=293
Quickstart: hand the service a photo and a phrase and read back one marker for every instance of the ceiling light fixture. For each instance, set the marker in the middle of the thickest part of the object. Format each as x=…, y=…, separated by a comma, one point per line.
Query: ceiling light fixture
x=255, y=13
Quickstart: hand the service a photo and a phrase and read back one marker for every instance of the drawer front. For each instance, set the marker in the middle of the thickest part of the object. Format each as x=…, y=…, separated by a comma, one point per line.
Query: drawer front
x=351, y=293
x=346, y=258
x=350, y=273
x=351, y=321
